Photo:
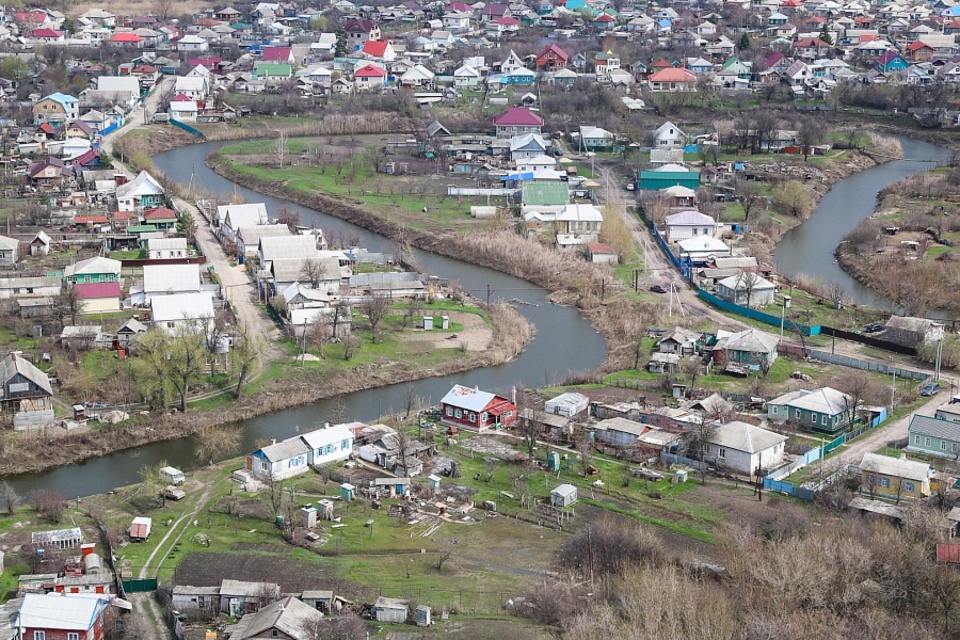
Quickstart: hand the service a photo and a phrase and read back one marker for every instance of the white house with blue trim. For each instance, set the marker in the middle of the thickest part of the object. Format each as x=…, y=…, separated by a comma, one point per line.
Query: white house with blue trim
x=293, y=456
x=329, y=445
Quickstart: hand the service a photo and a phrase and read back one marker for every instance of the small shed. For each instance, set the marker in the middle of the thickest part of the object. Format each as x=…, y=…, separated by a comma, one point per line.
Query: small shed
x=422, y=616
x=92, y=565
x=140, y=528
x=347, y=491
x=308, y=517
x=563, y=496
x=320, y=600
x=391, y=610
x=434, y=482
x=325, y=509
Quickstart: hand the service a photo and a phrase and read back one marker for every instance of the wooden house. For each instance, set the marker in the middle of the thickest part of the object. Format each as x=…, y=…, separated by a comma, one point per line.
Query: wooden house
x=476, y=410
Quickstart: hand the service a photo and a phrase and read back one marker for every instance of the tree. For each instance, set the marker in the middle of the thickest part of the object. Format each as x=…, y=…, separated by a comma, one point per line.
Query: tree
x=162, y=9
x=152, y=482
x=280, y=147
x=313, y=271
x=320, y=334
x=14, y=68
x=825, y=35
x=341, y=313
x=340, y=49
x=794, y=198
x=376, y=307
x=187, y=226
x=216, y=442
x=67, y=305
x=248, y=348
x=744, y=42
x=49, y=503
x=809, y=134
x=152, y=349
x=289, y=217
x=344, y=626
x=274, y=493
x=404, y=446
x=9, y=498
x=691, y=368
x=747, y=282
x=444, y=551
x=751, y=196
x=187, y=356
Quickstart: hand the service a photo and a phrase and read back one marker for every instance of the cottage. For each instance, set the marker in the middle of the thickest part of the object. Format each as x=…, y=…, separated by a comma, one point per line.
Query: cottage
x=552, y=58
x=746, y=289
x=26, y=389
x=673, y=80
x=29, y=287
x=749, y=347
x=143, y=192
x=287, y=618
x=824, y=409
x=595, y=139
x=99, y=297
x=702, y=249
x=329, y=445
x=40, y=244
x=517, y=120
x=894, y=478
x=93, y=270
x=565, y=495
x=475, y=410
x=164, y=280
x=280, y=460
x=239, y=597
x=48, y=174
x=177, y=312
x=744, y=448
x=56, y=108
x=58, y=615
x=618, y=432
x=688, y=224
x=912, y=332
x=934, y=436
x=680, y=341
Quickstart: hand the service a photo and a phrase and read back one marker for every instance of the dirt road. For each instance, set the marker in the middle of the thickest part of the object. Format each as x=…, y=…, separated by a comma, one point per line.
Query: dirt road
x=136, y=118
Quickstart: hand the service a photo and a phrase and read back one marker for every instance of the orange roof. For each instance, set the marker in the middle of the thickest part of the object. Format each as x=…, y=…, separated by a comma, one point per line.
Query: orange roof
x=673, y=75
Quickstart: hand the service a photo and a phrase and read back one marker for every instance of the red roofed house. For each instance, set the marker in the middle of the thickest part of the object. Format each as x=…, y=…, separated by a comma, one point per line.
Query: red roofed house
x=662, y=63
x=673, y=80
x=369, y=77
x=516, y=121
x=30, y=19
x=160, y=217
x=127, y=38
x=475, y=410
x=602, y=253
x=55, y=615
x=380, y=49
x=604, y=21
x=952, y=28
x=552, y=58
x=278, y=54
x=811, y=48
x=918, y=51
x=48, y=36
x=99, y=297
x=90, y=220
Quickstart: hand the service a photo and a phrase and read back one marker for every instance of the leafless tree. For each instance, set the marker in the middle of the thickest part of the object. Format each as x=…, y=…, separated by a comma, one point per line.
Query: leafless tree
x=9, y=497
x=341, y=314
x=320, y=334
x=280, y=147
x=274, y=488
x=48, y=503
x=217, y=442
x=444, y=551
x=289, y=217
x=345, y=626
x=404, y=448
x=691, y=368
x=376, y=308
x=313, y=271
x=414, y=309
x=351, y=344
x=837, y=293
x=247, y=350
x=67, y=305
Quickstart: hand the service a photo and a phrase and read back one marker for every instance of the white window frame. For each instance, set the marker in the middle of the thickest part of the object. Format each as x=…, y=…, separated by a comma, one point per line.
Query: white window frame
x=39, y=635
x=721, y=452
x=926, y=441
x=73, y=635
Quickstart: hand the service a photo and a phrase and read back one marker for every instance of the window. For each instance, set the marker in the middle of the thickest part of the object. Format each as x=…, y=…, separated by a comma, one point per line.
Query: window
x=344, y=445
x=943, y=445
x=721, y=452
x=823, y=420
x=484, y=417
x=458, y=414
x=449, y=411
x=264, y=466
x=916, y=439
x=813, y=418
x=694, y=231
x=798, y=414
x=885, y=483
x=39, y=635
x=926, y=442
x=908, y=487
x=472, y=417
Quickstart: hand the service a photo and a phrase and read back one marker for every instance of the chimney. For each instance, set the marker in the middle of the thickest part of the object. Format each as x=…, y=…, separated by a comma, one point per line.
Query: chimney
x=513, y=395
x=273, y=441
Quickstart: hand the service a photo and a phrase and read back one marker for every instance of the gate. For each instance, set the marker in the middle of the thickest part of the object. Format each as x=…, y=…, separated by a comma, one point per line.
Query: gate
x=140, y=586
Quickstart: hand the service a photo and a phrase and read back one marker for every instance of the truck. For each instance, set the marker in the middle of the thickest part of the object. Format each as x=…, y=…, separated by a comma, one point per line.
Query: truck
x=172, y=475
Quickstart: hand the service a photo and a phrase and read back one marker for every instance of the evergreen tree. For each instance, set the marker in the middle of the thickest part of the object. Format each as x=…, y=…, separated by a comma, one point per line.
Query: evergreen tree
x=825, y=35
x=744, y=42
x=341, y=49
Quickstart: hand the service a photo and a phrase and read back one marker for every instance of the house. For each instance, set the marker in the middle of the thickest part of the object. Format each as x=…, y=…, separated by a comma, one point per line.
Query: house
x=516, y=121
x=29, y=287
x=552, y=58
x=567, y=404
x=746, y=289
x=359, y=32
x=934, y=436
x=287, y=618
x=54, y=616
x=748, y=347
x=527, y=145
x=48, y=174
x=565, y=495
x=80, y=337
x=466, y=77
x=128, y=333
x=369, y=77
x=950, y=411
x=688, y=224
x=680, y=341
x=56, y=108
x=328, y=445
x=192, y=43
x=143, y=192
x=595, y=139
x=27, y=391
x=702, y=249
x=476, y=410
x=183, y=108
x=885, y=477
x=99, y=297
x=239, y=597
x=673, y=80
x=92, y=270
x=166, y=248
x=605, y=62
x=582, y=220
x=282, y=55
x=618, y=431
x=669, y=136
x=744, y=448
x=669, y=175
x=824, y=409
x=174, y=313
x=243, y=215
x=248, y=238
x=891, y=62
x=161, y=218
x=912, y=332
x=280, y=460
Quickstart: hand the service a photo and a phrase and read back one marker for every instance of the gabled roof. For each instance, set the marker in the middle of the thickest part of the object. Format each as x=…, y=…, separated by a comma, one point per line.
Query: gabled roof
x=289, y=616
x=171, y=278
x=143, y=184
x=935, y=427
x=376, y=48
x=468, y=398
x=673, y=75
x=370, y=71
x=276, y=54
x=895, y=467
x=285, y=449
x=688, y=218
x=97, y=264
x=750, y=341
x=14, y=364
x=98, y=290
x=181, y=306
x=322, y=437
x=75, y=612
x=518, y=116
x=159, y=214
x=560, y=53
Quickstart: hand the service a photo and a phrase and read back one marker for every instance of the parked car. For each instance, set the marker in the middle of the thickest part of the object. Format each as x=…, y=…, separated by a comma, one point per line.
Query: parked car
x=170, y=492
x=658, y=288
x=930, y=389
x=630, y=186
x=874, y=327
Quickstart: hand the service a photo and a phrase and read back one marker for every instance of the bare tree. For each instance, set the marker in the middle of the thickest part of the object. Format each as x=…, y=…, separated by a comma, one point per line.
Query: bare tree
x=274, y=488
x=313, y=271
x=67, y=305
x=186, y=356
x=404, y=448
x=751, y=197
x=280, y=147
x=247, y=350
x=217, y=442
x=48, y=503
x=691, y=368
x=341, y=314
x=9, y=498
x=320, y=334
x=162, y=9
x=289, y=217
x=376, y=308
x=444, y=551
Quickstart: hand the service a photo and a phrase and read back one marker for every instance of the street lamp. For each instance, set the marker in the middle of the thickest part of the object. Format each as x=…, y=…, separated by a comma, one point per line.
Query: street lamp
x=783, y=313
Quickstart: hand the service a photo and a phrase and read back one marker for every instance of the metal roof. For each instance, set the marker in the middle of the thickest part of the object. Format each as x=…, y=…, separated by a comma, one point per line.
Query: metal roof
x=73, y=612
x=174, y=278
x=895, y=467
x=935, y=427
x=469, y=398
x=745, y=437
x=14, y=364
x=181, y=306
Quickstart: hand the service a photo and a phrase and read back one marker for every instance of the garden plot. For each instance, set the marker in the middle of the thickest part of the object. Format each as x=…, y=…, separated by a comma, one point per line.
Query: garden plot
x=489, y=446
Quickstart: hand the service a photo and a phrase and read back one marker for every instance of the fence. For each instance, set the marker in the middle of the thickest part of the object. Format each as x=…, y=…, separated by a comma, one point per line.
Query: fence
x=108, y=130
x=790, y=489
x=760, y=316
x=468, y=191
x=672, y=458
x=809, y=457
x=867, y=340
x=187, y=128
x=866, y=365
x=684, y=269
x=140, y=586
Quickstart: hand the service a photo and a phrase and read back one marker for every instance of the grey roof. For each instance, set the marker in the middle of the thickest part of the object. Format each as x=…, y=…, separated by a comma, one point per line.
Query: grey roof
x=288, y=247
x=74, y=612
x=56, y=535
x=186, y=589
x=290, y=616
x=564, y=490
x=9, y=244
x=929, y=426
x=29, y=281
x=97, y=264
x=285, y=449
x=744, y=281
x=895, y=467
x=14, y=364
x=750, y=341
x=143, y=184
x=621, y=424
x=823, y=400
x=917, y=325
x=181, y=306
x=176, y=278
x=251, y=235
x=289, y=269
x=248, y=589
x=745, y=437
x=166, y=244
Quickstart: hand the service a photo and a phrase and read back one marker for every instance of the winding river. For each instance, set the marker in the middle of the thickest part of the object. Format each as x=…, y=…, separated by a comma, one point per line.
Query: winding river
x=565, y=341
x=808, y=248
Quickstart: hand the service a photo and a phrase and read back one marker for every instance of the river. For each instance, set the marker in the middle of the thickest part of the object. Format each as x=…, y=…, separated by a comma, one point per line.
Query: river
x=808, y=248
x=565, y=341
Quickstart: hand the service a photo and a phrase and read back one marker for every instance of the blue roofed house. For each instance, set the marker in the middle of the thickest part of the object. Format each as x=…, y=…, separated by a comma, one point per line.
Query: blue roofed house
x=57, y=108
x=934, y=436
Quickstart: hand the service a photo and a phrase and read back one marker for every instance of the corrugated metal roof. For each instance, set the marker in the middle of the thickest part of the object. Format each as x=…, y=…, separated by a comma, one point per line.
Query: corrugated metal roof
x=895, y=467
x=174, y=278
x=927, y=426
x=948, y=552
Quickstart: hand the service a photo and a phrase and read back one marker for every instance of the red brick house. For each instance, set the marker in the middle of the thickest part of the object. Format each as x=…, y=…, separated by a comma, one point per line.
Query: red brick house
x=57, y=616
x=475, y=410
x=552, y=58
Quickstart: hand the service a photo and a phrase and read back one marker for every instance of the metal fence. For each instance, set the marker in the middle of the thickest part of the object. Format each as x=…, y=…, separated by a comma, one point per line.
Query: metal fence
x=760, y=316
x=789, y=489
x=672, y=458
x=140, y=586
x=866, y=365
x=886, y=345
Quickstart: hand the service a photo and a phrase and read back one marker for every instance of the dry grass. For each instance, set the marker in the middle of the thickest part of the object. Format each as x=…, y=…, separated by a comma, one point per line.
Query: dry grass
x=886, y=147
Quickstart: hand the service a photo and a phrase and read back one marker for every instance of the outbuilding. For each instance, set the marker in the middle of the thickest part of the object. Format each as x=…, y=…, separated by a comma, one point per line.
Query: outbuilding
x=564, y=495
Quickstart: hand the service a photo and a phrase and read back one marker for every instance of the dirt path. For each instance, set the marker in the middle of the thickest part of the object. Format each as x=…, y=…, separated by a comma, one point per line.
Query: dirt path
x=200, y=504
x=136, y=118
x=475, y=335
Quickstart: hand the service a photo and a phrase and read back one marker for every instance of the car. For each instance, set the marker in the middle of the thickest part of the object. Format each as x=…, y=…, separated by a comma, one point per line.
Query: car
x=930, y=389
x=95, y=405
x=630, y=186
x=170, y=492
x=658, y=288
x=874, y=327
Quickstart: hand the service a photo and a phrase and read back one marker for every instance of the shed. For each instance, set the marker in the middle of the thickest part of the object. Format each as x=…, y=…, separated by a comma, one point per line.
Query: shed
x=422, y=616
x=434, y=482
x=563, y=496
x=58, y=538
x=567, y=404
x=320, y=600
x=140, y=528
x=347, y=491
x=391, y=610
x=92, y=565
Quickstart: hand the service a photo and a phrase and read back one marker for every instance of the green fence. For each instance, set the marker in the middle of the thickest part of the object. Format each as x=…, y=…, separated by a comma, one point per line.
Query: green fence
x=140, y=586
x=758, y=315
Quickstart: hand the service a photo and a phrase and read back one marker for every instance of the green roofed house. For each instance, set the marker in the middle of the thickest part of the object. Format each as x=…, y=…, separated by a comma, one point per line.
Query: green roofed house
x=546, y=194
x=141, y=228
x=274, y=70
x=669, y=175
